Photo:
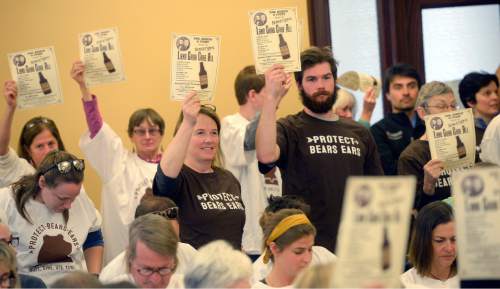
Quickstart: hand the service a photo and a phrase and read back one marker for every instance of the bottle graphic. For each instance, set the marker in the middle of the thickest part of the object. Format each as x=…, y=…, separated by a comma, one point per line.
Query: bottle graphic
x=203, y=77
x=107, y=62
x=285, y=52
x=460, y=148
x=44, y=84
x=386, y=251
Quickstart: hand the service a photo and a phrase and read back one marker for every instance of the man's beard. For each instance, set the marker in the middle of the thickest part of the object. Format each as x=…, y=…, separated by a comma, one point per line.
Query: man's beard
x=316, y=106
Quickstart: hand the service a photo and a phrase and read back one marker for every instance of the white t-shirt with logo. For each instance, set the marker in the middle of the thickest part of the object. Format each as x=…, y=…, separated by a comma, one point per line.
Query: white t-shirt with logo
x=125, y=178
x=49, y=247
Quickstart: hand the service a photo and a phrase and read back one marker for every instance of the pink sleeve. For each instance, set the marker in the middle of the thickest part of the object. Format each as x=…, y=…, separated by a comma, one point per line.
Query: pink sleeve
x=93, y=116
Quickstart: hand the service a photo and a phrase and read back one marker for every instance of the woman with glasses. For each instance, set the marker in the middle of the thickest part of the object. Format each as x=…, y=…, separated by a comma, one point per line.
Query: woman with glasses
x=433, y=182
x=190, y=173
x=38, y=137
x=125, y=175
x=432, y=249
x=57, y=226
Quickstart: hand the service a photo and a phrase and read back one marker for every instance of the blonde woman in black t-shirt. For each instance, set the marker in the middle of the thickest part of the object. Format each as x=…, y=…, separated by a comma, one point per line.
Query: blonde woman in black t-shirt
x=189, y=173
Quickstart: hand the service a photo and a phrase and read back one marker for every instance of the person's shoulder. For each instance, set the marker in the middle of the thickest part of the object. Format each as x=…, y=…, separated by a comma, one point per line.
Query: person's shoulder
x=233, y=119
x=292, y=119
x=414, y=148
x=409, y=277
x=224, y=173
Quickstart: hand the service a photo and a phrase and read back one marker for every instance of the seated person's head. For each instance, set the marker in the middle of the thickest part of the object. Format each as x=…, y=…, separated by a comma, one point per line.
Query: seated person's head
x=276, y=203
x=288, y=240
x=479, y=91
x=218, y=265
x=432, y=244
x=56, y=183
x=77, y=279
x=161, y=206
x=152, y=252
x=8, y=267
x=435, y=97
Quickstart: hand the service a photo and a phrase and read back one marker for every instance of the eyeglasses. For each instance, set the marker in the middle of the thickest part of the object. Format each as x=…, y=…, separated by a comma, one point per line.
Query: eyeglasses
x=8, y=279
x=64, y=167
x=13, y=241
x=445, y=106
x=38, y=121
x=170, y=213
x=146, y=271
x=153, y=131
x=209, y=107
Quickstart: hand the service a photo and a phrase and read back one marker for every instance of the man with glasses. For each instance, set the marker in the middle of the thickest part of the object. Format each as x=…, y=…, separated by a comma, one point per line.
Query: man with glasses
x=433, y=182
x=395, y=131
x=152, y=253
x=166, y=208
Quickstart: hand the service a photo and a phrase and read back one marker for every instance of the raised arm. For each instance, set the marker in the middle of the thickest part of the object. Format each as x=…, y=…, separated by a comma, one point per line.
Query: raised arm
x=173, y=157
x=277, y=84
x=369, y=102
x=10, y=94
x=92, y=113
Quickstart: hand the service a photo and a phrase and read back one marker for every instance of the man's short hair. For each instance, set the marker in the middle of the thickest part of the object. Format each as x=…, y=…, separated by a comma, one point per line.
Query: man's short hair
x=429, y=90
x=217, y=265
x=246, y=80
x=472, y=83
x=156, y=233
x=315, y=55
x=400, y=69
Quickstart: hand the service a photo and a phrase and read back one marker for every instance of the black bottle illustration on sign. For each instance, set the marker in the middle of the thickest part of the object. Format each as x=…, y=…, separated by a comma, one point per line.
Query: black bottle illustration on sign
x=285, y=52
x=461, y=148
x=107, y=62
x=44, y=84
x=386, y=251
x=203, y=77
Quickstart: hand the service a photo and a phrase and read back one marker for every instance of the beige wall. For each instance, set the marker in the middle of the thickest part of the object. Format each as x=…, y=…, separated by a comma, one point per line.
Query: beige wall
x=144, y=28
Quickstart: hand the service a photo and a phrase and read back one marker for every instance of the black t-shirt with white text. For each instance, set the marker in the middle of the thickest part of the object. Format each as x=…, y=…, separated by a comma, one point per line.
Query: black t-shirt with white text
x=316, y=157
x=210, y=205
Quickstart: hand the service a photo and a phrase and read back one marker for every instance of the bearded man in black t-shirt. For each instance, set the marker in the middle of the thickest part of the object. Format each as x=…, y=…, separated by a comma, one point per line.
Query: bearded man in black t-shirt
x=315, y=150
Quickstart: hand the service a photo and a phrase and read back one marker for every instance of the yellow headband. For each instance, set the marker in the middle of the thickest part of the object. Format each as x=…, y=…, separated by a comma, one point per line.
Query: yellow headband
x=283, y=227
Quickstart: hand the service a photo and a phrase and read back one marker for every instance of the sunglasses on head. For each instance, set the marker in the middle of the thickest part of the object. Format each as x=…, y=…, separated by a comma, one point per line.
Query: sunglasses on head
x=170, y=213
x=209, y=107
x=65, y=167
x=38, y=121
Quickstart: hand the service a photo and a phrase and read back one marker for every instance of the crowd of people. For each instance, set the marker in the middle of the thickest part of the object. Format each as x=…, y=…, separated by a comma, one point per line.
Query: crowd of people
x=226, y=193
